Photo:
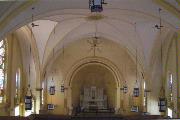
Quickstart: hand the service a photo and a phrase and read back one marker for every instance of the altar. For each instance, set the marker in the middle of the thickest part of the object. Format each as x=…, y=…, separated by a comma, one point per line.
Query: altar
x=93, y=98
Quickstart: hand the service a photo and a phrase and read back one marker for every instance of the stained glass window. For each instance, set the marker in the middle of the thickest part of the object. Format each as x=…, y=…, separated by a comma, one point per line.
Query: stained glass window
x=145, y=94
x=17, y=96
x=42, y=98
x=2, y=69
x=171, y=86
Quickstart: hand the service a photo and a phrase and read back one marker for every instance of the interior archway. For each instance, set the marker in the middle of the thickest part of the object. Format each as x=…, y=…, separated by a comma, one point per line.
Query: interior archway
x=98, y=77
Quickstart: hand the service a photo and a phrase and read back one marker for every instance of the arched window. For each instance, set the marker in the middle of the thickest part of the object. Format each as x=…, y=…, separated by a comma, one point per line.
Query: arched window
x=170, y=87
x=42, y=96
x=17, y=94
x=2, y=69
x=145, y=94
x=170, y=94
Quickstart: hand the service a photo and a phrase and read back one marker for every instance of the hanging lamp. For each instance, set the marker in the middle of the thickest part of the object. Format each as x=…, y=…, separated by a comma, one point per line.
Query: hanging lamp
x=62, y=84
x=28, y=96
x=162, y=100
x=52, y=88
x=28, y=99
x=136, y=90
x=125, y=87
x=136, y=87
x=52, y=93
x=96, y=5
x=52, y=85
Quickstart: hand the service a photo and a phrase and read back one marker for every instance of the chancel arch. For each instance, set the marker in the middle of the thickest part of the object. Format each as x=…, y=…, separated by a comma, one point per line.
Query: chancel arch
x=94, y=73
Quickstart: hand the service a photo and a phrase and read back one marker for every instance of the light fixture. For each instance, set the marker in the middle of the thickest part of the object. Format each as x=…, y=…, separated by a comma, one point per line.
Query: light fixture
x=162, y=104
x=28, y=99
x=136, y=88
x=52, y=85
x=162, y=100
x=124, y=88
x=62, y=88
x=52, y=90
x=96, y=5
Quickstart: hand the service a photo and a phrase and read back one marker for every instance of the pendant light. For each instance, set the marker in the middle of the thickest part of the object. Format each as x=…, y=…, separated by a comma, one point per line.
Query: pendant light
x=62, y=87
x=62, y=84
x=96, y=5
x=52, y=85
x=52, y=90
x=28, y=99
x=29, y=96
x=125, y=87
x=136, y=88
x=162, y=100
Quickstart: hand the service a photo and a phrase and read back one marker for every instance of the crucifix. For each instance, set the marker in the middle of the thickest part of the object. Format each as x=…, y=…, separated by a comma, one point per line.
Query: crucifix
x=94, y=41
x=94, y=45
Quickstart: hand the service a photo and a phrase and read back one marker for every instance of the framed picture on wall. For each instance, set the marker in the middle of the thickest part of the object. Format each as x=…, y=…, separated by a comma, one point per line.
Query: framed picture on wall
x=134, y=109
x=50, y=106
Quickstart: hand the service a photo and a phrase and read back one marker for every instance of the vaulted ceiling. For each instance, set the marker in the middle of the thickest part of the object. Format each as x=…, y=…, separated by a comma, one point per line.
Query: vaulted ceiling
x=129, y=23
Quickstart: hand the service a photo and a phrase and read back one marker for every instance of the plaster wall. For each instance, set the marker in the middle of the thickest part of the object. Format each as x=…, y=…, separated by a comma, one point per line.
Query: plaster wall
x=80, y=49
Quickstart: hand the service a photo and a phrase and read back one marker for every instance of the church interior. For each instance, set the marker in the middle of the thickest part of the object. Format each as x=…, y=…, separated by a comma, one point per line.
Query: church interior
x=89, y=59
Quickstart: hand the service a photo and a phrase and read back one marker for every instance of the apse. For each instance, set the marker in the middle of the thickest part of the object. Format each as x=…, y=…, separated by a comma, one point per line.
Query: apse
x=94, y=85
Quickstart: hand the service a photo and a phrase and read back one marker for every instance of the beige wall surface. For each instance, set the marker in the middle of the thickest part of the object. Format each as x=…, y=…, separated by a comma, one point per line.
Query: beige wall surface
x=76, y=51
